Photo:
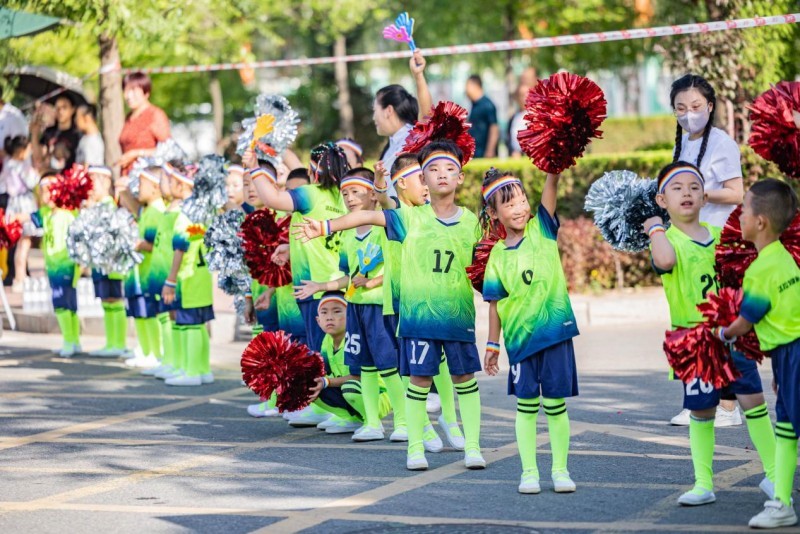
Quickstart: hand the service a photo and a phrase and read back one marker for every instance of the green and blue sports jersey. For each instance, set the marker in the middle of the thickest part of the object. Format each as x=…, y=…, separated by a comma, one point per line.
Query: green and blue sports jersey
x=161, y=259
x=772, y=296
x=256, y=290
x=436, y=297
x=195, y=283
x=692, y=277
x=528, y=283
x=392, y=257
x=334, y=360
x=136, y=283
x=61, y=270
x=318, y=259
x=290, y=320
x=370, y=247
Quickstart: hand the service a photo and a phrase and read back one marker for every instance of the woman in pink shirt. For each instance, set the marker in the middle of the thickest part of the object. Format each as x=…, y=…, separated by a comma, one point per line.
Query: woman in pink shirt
x=145, y=126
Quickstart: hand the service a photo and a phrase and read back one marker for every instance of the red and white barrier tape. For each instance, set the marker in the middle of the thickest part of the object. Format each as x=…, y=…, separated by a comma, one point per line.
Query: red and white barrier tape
x=540, y=42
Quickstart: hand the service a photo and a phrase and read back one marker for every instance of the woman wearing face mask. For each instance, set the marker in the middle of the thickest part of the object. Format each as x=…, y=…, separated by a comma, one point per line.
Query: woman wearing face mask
x=717, y=156
x=145, y=126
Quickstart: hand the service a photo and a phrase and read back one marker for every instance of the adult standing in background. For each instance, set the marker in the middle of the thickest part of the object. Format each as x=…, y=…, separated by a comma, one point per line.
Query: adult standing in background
x=145, y=125
x=91, y=148
x=483, y=118
x=55, y=147
x=517, y=123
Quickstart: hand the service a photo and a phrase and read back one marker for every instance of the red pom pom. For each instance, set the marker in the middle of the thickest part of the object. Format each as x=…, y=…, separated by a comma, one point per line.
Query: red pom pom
x=564, y=113
x=261, y=234
x=9, y=232
x=734, y=255
x=697, y=353
x=774, y=134
x=447, y=121
x=273, y=362
x=263, y=364
x=303, y=368
x=480, y=257
x=722, y=310
x=71, y=189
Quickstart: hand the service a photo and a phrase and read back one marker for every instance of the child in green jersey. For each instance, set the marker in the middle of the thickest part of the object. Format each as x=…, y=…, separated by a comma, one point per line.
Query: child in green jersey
x=528, y=300
x=62, y=272
x=339, y=392
x=317, y=261
x=437, y=310
x=108, y=287
x=684, y=257
x=189, y=286
x=771, y=305
x=148, y=208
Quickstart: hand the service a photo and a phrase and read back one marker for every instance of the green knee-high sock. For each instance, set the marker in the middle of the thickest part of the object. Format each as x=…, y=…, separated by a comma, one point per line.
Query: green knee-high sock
x=153, y=328
x=525, y=426
x=179, y=346
x=370, y=390
x=469, y=401
x=142, y=335
x=351, y=390
x=76, y=328
x=416, y=414
x=64, y=318
x=257, y=329
x=194, y=349
x=397, y=395
x=763, y=437
x=701, y=441
x=205, y=355
x=444, y=385
x=558, y=427
x=116, y=310
x=785, y=461
x=167, y=342
x=110, y=324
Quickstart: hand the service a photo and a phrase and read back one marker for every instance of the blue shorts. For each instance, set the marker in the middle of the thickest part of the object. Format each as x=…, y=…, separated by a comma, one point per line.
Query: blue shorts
x=334, y=398
x=163, y=307
x=141, y=307
x=550, y=373
x=314, y=334
x=65, y=297
x=786, y=370
x=105, y=288
x=369, y=340
x=194, y=316
x=699, y=395
x=422, y=357
x=268, y=319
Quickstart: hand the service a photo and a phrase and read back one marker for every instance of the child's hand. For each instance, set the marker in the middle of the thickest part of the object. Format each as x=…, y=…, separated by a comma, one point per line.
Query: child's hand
x=307, y=289
x=650, y=222
x=317, y=389
x=263, y=301
x=168, y=294
x=249, y=159
x=490, y=363
x=280, y=256
x=359, y=281
x=249, y=311
x=381, y=171
x=307, y=230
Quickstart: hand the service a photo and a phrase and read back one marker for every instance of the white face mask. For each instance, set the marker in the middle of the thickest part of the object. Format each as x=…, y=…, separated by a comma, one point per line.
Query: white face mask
x=694, y=122
x=56, y=164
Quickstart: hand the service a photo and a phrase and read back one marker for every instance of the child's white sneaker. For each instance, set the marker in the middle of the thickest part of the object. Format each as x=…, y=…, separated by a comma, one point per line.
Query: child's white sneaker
x=453, y=434
x=400, y=434
x=474, y=460
x=184, y=380
x=67, y=351
x=343, y=427
x=431, y=440
x=262, y=409
x=697, y=497
x=331, y=421
x=369, y=433
x=562, y=483
x=529, y=484
x=416, y=462
x=308, y=418
x=775, y=514
x=152, y=371
x=207, y=378
x=434, y=403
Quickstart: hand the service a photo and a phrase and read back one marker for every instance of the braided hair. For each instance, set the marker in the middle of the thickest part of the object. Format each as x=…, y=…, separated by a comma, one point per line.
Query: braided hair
x=684, y=84
x=504, y=194
x=332, y=164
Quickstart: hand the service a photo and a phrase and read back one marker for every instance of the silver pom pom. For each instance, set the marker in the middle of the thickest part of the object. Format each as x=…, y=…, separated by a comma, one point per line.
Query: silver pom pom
x=104, y=238
x=621, y=202
x=282, y=133
x=209, y=193
x=168, y=150
x=226, y=254
x=239, y=304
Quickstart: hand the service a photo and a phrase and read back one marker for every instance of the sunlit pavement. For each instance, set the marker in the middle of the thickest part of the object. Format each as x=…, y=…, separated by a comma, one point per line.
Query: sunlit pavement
x=87, y=445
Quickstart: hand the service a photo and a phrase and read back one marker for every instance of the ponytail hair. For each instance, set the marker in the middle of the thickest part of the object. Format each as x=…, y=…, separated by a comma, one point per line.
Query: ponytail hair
x=331, y=163
x=701, y=84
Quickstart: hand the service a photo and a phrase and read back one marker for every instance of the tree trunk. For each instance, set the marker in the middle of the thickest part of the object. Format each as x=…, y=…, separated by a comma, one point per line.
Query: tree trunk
x=217, y=107
x=111, y=110
x=343, y=85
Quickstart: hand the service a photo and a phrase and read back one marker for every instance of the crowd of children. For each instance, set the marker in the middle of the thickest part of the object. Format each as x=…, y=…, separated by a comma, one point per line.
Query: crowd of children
x=383, y=295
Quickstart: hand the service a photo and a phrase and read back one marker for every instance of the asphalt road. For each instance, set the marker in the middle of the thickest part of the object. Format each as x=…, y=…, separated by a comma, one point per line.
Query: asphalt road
x=89, y=446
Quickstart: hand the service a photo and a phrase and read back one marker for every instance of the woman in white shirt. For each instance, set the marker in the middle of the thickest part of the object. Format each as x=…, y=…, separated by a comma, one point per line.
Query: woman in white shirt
x=718, y=157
